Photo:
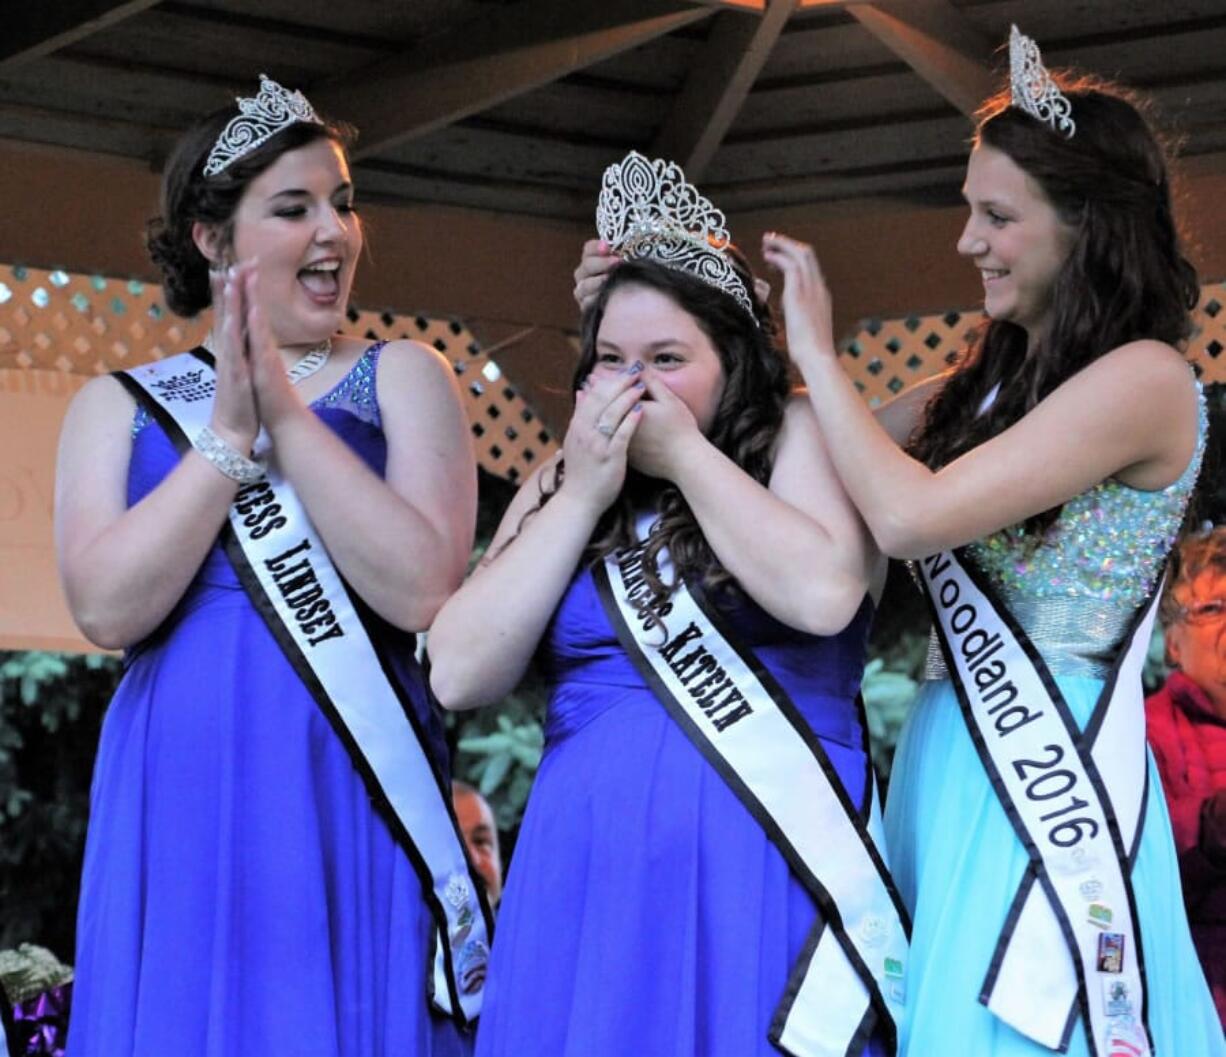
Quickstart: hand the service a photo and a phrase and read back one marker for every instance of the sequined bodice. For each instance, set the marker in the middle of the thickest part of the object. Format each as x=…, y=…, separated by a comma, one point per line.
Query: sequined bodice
x=1076, y=590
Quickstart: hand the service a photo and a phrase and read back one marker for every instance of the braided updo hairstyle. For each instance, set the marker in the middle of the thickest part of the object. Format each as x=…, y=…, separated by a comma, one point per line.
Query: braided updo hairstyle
x=1125, y=278
x=189, y=196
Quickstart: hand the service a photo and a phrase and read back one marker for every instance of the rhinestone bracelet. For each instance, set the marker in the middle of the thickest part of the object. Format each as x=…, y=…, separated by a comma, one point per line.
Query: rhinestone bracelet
x=228, y=460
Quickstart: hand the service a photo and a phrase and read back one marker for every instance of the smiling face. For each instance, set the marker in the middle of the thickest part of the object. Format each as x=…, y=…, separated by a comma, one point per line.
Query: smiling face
x=641, y=323
x=1016, y=239
x=297, y=219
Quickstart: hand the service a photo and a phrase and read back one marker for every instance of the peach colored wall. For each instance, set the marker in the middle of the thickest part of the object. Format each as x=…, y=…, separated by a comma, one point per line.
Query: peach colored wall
x=33, y=613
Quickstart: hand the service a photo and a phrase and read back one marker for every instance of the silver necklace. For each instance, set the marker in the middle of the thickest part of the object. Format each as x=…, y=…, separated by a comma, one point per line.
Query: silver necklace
x=312, y=360
x=308, y=364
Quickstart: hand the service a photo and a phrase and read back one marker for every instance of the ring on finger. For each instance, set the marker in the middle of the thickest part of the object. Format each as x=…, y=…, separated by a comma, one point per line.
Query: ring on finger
x=605, y=430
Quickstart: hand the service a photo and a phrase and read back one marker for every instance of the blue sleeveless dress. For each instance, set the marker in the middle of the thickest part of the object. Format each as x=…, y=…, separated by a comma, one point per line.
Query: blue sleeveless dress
x=955, y=856
x=646, y=913
x=239, y=894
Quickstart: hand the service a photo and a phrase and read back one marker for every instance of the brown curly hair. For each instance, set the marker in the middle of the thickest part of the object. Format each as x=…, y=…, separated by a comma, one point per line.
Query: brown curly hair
x=1126, y=277
x=1198, y=553
x=746, y=425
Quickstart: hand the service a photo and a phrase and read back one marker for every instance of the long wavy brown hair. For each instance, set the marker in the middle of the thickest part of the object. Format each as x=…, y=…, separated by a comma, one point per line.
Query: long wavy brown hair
x=1125, y=278
x=746, y=425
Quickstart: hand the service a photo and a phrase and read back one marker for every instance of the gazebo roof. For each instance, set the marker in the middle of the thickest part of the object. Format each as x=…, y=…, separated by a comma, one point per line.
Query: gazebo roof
x=517, y=105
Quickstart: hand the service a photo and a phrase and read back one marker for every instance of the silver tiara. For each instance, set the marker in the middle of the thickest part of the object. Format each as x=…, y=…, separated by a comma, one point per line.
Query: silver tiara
x=1032, y=88
x=259, y=118
x=648, y=210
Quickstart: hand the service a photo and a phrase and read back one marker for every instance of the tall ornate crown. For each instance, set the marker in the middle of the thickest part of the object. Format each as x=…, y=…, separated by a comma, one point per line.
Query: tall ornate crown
x=648, y=210
x=259, y=118
x=1032, y=88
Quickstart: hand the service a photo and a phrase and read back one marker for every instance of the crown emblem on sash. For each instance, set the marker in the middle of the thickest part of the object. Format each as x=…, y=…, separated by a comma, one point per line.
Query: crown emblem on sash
x=1031, y=87
x=648, y=210
x=259, y=118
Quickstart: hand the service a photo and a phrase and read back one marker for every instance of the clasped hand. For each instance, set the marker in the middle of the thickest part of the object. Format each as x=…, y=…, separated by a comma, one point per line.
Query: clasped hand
x=660, y=443
x=252, y=387
x=628, y=418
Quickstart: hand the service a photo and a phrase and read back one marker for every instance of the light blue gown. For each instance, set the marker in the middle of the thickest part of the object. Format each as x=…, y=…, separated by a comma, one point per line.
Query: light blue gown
x=954, y=854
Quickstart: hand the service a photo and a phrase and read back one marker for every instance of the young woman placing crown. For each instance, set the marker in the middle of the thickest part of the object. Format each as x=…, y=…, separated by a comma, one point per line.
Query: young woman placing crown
x=694, y=583
x=1042, y=489
x=261, y=524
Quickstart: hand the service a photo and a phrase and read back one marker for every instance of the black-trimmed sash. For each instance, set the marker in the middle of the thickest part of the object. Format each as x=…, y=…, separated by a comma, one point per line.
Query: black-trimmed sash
x=1075, y=798
x=849, y=978
x=286, y=571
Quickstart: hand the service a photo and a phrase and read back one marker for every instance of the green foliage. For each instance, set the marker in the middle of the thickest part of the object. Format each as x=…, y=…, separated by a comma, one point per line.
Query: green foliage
x=51, y=706
x=30, y=970
x=888, y=695
x=500, y=754
x=1154, y=674
x=893, y=673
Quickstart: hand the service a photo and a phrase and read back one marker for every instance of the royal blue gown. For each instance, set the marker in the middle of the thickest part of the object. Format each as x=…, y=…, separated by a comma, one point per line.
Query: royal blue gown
x=646, y=912
x=239, y=894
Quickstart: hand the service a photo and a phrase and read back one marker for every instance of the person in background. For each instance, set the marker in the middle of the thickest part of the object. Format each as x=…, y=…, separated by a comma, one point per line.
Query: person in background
x=1186, y=724
x=480, y=836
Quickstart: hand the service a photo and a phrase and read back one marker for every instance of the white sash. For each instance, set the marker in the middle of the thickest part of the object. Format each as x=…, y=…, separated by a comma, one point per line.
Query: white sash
x=850, y=975
x=285, y=569
x=1076, y=799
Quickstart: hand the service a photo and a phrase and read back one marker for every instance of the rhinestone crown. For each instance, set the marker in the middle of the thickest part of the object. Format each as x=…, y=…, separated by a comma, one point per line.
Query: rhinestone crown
x=259, y=118
x=1032, y=88
x=647, y=209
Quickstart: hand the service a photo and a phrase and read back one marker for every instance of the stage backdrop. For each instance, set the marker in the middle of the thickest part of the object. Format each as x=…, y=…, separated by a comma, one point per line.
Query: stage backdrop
x=57, y=329
x=32, y=611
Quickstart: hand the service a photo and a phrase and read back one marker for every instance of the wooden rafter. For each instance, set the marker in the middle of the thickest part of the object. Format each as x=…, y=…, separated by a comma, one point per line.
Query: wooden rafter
x=42, y=28
x=463, y=71
x=735, y=5
x=762, y=5
x=719, y=81
x=937, y=41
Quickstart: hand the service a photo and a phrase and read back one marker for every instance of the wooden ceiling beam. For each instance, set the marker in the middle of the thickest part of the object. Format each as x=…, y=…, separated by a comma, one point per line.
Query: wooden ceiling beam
x=938, y=42
x=735, y=5
x=762, y=5
x=42, y=28
x=466, y=70
x=719, y=80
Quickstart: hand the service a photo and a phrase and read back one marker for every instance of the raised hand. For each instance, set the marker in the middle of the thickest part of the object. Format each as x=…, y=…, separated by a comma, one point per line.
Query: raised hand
x=594, y=267
x=235, y=416
x=806, y=300
x=658, y=447
x=607, y=411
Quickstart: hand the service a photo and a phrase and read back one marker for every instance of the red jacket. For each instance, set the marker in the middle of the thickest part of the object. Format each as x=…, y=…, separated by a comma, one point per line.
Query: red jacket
x=1189, y=743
